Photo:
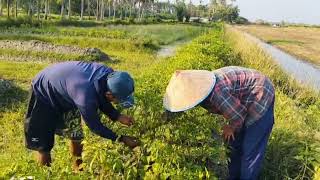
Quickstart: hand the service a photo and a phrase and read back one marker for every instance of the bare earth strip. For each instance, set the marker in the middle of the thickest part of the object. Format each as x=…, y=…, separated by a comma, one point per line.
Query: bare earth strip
x=39, y=46
x=302, y=42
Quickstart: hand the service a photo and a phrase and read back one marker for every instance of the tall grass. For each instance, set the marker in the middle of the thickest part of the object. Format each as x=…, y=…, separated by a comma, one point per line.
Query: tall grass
x=293, y=151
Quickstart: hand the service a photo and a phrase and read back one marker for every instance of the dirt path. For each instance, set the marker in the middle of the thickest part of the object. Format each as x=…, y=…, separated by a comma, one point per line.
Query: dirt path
x=170, y=50
x=39, y=46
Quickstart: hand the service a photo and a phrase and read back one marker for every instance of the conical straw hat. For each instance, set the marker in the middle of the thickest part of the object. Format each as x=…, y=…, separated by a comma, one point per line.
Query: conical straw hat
x=188, y=88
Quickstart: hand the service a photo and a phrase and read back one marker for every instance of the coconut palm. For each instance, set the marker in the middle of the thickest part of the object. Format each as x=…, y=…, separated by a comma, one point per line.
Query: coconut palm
x=82, y=8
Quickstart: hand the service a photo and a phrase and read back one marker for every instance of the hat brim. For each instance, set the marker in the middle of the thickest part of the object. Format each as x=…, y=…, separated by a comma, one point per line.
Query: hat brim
x=127, y=102
x=187, y=89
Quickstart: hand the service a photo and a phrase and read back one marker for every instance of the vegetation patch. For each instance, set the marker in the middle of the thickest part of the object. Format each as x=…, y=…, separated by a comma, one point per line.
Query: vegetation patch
x=10, y=94
x=179, y=147
x=281, y=41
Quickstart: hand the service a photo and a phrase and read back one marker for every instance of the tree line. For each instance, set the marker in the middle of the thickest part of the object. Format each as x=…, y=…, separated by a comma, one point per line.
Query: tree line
x=114, y=9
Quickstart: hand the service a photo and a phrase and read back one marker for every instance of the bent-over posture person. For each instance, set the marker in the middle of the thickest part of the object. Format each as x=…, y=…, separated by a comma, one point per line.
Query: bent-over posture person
x=243, y=96
x=64, y=93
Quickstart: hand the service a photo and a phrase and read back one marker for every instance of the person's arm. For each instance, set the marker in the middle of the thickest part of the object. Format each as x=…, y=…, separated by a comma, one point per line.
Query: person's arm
x=91, y=118
x=108, y=109
x=85, y=98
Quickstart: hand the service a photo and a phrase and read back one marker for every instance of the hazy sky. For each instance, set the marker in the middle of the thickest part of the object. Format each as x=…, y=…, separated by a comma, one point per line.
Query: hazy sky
x=297, y=11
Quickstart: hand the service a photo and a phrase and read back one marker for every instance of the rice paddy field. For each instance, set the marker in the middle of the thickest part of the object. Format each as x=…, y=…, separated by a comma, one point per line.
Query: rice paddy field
x=179, y=148
x=302, y=42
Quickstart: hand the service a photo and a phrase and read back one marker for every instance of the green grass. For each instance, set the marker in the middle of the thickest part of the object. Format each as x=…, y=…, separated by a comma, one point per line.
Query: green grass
x=283, y=41
x=98, y=32
x=161, y=34
x=115, y=160
x=20, y=71
x=181, y=148
x=120, y=42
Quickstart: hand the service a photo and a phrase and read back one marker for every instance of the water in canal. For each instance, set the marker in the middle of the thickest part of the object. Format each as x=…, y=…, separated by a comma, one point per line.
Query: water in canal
x=302, y=71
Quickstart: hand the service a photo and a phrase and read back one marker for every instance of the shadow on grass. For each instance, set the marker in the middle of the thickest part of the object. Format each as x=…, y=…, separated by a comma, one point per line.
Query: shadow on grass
x=11, y=95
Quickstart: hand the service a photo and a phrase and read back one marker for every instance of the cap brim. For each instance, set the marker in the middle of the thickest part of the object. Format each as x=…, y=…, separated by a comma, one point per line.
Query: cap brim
x=127, y=102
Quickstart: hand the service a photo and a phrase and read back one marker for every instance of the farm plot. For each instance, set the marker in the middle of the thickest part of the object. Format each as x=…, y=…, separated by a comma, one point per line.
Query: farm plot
x=180, y=148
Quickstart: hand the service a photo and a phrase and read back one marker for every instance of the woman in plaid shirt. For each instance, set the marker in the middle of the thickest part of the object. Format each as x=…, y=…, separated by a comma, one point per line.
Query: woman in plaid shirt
x=243, y=96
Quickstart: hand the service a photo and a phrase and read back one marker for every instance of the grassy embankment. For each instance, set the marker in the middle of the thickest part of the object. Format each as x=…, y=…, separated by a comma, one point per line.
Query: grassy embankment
x=302, y=42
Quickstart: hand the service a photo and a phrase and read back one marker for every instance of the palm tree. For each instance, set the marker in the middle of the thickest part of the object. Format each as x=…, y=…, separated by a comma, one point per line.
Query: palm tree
x=140, y=9
x=121, y=8
x=114, y=9
x=8, y=8
x=15, y=9
x=82, y=7
x=46, y=9
x=69, y=9
x=62, y=9
x=30, y=8
x=102, y=10
x=97, y=10
x=89, y=8
x=109, y=8
x=38, y=9
x=0, y=7
x=132, y=6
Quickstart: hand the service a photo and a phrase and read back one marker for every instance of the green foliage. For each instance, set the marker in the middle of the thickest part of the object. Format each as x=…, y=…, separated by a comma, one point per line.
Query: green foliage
x=241, y=20
x=169, y=149
x=177, y=147
x=228, y=14
x=19, y=22
x=181, y=10
x=165, y=16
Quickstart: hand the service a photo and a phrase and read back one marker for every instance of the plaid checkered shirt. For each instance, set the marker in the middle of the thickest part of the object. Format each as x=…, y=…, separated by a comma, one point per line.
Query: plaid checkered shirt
x=241, y=95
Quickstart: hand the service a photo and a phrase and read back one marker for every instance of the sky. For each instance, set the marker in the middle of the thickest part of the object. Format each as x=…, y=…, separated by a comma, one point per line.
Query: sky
x=294, y=11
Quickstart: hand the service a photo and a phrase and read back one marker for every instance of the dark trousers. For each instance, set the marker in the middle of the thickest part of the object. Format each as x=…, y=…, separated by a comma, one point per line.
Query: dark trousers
x=248, y=149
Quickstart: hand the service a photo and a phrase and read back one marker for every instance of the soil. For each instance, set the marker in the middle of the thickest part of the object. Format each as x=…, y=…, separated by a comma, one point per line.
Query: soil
x=39, y=46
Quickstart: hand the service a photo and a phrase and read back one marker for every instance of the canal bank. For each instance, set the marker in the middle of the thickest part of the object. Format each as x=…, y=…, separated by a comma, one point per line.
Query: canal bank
x=302, y=71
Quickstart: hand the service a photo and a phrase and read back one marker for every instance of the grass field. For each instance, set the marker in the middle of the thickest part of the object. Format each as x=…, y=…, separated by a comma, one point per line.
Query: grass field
x=178, y=149
x=302, y=42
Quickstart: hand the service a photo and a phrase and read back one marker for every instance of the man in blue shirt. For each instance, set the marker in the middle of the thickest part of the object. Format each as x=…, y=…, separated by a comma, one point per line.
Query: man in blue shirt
x=62, y=93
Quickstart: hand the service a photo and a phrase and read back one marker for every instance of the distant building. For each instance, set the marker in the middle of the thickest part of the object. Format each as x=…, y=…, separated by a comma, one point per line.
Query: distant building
x=276, y=24
x=199, y=19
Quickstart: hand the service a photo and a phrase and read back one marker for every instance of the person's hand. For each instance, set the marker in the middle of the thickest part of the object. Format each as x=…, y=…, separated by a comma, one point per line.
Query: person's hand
x=228, y=133
x=132, y=142
x=77, y=165
x=126, y=120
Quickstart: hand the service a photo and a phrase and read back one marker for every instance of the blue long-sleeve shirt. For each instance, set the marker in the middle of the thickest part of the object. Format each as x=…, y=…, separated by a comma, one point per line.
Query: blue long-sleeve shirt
x=79, y=85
